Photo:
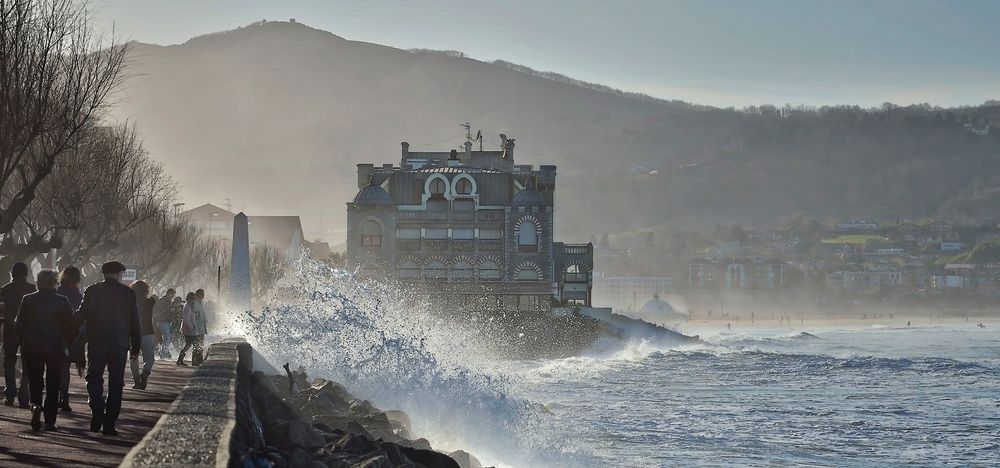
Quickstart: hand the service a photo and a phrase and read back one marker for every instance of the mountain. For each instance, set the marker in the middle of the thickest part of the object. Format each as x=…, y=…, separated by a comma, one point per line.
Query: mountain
x=276, y=115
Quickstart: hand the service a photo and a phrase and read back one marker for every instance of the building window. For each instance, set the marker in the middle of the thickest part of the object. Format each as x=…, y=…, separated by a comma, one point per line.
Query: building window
x=371, y=234
x=463, y=233
x=527, y=236
x=461, y=270
x=438, y=187
x=489, y=234
x=409, y=269
x=436, y=270
x=526, y=274
x=408, y=233
x=435, y=233
x=463, y=186
x=489, y=270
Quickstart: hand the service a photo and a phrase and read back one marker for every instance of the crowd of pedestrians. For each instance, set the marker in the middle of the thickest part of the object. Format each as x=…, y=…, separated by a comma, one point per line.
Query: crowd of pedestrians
x=99, y=332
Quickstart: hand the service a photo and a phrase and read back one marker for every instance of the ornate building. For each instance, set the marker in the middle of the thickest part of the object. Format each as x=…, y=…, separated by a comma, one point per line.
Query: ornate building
x=471, y=227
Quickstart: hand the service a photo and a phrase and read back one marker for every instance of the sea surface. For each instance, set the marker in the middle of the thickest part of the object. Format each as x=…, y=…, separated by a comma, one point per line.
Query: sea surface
x=829, y=395
x=838, y=394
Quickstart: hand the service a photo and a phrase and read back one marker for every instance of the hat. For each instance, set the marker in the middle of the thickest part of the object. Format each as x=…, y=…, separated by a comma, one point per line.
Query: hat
x=19, y=270
x=111, y=268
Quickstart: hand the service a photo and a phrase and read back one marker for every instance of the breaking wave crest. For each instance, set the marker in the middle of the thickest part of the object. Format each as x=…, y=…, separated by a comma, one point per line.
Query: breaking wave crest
x=383, y=345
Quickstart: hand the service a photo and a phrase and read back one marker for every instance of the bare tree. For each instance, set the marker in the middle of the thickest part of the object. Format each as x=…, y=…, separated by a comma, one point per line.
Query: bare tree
x=267, y=267
x=105, y=196
x=55, y=78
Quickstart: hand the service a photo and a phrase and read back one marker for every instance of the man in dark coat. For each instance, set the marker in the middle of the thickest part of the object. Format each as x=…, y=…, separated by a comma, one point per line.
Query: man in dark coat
x=111, y=315
x=10, y=297
x=44, y=326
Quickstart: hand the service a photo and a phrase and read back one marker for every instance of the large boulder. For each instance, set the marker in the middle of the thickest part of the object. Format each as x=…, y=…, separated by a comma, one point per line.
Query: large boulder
x=428, y=458
x=465, y=459
x=291, y=435
x=271, y=408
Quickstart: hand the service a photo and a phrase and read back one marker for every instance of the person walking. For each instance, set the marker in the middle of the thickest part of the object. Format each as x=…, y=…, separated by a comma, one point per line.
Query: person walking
x=10, y=296
x=69, y=286
x=198, y=356
x=176, y=317
x=161, y=317
x=111, y=315
x=44, y=327
x=189, y=327
x=146, y=305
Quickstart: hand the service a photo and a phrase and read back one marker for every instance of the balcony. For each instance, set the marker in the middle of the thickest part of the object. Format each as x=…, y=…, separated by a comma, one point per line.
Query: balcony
x=463, y=215
x=490, y=245
x=490, y=216
x=409, y=216
x=410, y=245
x=463, y=245
x=436, y=216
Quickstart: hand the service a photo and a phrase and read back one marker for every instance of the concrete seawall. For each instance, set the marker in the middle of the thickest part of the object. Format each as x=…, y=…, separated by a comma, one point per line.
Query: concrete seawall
x=212, y=421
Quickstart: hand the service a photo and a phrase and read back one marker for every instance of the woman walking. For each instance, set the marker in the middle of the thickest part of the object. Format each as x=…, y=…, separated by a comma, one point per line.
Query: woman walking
x=44, y=327
x=69, y=286
x=146, y=305
x=189, y=326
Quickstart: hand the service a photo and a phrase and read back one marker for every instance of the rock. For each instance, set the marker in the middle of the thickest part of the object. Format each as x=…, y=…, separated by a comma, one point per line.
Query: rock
x=290, y=435
x=299, y=459
x=465, y=459
x=420, y=443
x=399, y=421
x=272, y=409
x=377, y=461
x=317, y=464
x=428, y=458
x=354, y=444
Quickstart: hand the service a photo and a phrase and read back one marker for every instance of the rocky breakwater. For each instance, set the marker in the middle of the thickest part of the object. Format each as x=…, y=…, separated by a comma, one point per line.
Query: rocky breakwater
x=319, y=424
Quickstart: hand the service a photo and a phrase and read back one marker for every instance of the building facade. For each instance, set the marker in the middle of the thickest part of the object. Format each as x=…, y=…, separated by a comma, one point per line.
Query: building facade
x=470, y=226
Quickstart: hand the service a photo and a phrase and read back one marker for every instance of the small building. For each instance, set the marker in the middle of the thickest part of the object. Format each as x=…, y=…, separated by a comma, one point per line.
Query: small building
x=875, y=278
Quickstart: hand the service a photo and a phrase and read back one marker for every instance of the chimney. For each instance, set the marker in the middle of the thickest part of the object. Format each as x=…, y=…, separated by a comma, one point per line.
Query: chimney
x=453, y=159
x=508, y=148
x=364, y=172
x=468, y=150
x=406, y=153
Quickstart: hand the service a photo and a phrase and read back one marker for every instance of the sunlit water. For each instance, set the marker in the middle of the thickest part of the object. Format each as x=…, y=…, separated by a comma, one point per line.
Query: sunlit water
x=858, y=395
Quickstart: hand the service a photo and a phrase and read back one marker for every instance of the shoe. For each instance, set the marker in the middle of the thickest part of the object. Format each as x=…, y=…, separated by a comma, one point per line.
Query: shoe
x=36, y=418
x=65, y=407
x=96, y=421
x=141, y=384
x=181, y=363
x=8, y=402
x=51, y=427
x=109, y=430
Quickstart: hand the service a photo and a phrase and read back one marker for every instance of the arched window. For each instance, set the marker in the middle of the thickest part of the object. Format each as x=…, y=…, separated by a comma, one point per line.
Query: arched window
x=526, y=274
x=371, y=234
x=409, y=269
x=463, y=186
x=489, y=270
x=438, y=187
x=527, y=236
x=435, y=270
x=461, y=270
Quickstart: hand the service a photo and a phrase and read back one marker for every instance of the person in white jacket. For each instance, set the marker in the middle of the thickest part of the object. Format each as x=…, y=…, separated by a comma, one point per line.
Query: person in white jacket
x=189, y=326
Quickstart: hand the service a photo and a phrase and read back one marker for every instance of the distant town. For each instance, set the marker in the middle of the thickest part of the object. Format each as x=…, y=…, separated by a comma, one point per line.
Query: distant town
x=849, y=263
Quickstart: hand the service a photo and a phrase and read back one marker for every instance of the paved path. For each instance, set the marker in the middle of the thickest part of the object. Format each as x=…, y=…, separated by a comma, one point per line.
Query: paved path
x=74, y=444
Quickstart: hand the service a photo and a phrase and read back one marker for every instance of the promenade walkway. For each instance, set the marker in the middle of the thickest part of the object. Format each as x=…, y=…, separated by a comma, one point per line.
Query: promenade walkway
x=74, y=444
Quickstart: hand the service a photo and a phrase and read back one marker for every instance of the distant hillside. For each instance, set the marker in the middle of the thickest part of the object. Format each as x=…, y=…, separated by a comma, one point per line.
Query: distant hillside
x=275, y=116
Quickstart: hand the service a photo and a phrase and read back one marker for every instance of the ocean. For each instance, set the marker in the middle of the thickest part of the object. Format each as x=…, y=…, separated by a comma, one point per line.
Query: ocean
x=825, y=395
x=860, y=393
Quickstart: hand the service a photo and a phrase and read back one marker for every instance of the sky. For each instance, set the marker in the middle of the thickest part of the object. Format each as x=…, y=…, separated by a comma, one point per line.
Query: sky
x=717, y=52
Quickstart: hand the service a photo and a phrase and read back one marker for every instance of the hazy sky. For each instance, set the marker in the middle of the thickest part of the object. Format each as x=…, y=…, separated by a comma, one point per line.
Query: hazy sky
x=719, y=52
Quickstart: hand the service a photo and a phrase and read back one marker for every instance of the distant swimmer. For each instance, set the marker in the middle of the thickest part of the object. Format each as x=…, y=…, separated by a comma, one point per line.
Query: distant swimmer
x=981, y=325
x=730, y=328
x=907, y=324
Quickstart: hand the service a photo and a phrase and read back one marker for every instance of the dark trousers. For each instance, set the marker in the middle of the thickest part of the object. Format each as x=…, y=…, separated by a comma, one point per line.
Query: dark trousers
x=113, y=360
x=44, y=371
x=10, y=390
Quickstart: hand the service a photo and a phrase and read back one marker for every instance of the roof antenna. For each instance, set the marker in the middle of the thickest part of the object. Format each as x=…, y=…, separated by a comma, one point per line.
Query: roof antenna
x=468, y=131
